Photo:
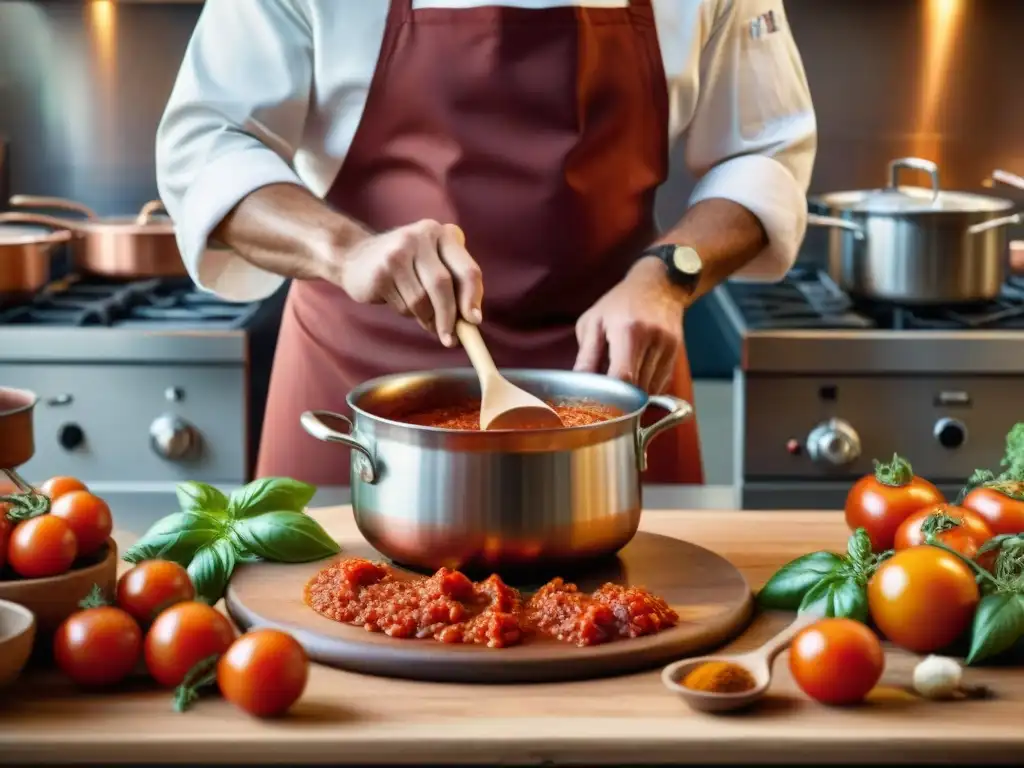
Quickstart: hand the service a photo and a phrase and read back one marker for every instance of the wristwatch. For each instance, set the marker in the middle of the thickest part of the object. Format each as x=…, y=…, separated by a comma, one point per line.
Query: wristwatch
x=682, y=262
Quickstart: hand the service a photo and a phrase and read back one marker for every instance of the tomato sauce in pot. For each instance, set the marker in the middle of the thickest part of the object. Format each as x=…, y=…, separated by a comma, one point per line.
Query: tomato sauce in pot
x=466, y=416
x=450, y=608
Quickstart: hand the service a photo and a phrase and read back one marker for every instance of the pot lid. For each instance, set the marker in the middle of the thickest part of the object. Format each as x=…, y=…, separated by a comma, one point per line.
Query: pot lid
x=897, y=199
x=22, y=234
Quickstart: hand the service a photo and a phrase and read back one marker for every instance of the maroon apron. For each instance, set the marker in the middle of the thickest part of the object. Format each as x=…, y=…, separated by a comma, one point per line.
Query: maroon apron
x=542, y=133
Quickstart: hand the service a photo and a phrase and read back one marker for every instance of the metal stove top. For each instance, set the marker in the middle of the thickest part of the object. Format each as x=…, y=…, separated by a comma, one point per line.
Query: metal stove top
x=805, y=323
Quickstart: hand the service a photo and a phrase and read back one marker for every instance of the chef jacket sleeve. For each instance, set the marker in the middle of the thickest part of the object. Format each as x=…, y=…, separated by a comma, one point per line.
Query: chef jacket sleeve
x=753, y=135
x=232, y=125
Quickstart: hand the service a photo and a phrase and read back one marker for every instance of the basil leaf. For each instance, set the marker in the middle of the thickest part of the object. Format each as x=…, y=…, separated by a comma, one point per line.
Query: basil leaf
x=786, y=589
x=176, y=537
x=270, y=494
x=859, y=547
x=284, y=537
x=837, y=596
x=210, y=570
x=202, y=499
x=998, y=625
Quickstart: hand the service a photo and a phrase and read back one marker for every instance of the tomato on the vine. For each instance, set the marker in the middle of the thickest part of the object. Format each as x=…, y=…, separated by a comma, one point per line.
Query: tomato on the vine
x=41, y=546
x=923, y=598
x=56, y=487
x=88, y=516
x=836, y=661
x=955, y=527
x=152, y=586
x=263, y=672
x=181, y=637
x=1001, y=504
x=98, y=646
x=880, y=502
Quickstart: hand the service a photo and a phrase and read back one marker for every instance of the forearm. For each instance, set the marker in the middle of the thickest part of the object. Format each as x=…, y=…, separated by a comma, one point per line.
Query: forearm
x=287, y=230
x=725, y=234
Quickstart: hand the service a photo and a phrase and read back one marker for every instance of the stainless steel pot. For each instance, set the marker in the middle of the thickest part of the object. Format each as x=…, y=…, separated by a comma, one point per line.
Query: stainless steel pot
x=25, y=255
x=137, y=246
x=498, y=500
x=917, y=246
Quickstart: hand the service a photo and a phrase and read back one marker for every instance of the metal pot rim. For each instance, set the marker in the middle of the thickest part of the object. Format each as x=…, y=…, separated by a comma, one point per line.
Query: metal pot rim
x=919, y=201
x=16, y=234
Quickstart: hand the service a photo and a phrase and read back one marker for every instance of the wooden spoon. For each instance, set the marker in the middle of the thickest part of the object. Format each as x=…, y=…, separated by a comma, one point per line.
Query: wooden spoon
x=757, y=662
x=503, y=405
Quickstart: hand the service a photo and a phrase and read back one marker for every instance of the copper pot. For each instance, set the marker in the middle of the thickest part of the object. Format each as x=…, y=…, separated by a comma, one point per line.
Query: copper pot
x=17, y=439
x=25, y=257
x=124, y=247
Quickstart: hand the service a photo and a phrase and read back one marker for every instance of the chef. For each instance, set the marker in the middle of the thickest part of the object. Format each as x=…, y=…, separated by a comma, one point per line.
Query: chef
x=414, y=161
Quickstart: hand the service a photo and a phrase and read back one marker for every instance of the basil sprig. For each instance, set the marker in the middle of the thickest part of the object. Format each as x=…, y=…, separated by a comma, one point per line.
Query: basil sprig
x=825, y=583
x=264, y=520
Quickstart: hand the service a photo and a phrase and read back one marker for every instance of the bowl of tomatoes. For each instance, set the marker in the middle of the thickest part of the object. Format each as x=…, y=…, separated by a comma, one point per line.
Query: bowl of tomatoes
x=55, y=549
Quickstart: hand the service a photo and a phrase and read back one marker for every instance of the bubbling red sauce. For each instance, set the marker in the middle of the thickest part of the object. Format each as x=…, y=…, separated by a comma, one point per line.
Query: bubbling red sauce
x=466, y=416
x=448, y=607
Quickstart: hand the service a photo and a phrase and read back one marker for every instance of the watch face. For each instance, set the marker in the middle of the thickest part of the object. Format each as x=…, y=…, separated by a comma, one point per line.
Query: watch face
x=686, y=260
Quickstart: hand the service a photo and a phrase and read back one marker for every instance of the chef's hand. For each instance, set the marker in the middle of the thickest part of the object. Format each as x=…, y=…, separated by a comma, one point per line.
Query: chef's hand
x=423, y=270
x=637, y=326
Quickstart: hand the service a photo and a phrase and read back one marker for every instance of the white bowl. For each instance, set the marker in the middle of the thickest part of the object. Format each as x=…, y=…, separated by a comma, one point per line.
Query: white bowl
x=17, y=634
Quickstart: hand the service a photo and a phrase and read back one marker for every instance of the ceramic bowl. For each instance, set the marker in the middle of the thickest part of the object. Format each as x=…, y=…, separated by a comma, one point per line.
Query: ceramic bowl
x=54, y=598
x=17, y=634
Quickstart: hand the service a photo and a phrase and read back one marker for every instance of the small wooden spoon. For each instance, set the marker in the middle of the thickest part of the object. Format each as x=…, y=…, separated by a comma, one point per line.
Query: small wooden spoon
x=757, y=662
x=503, y=405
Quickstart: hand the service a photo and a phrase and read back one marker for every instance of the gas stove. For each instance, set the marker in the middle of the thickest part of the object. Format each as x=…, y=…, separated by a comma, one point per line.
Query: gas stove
x=826, y=384
x=142, y=384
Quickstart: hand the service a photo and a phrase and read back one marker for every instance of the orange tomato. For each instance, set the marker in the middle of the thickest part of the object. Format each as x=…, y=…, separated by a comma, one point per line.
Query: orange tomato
x=98, y=646
x=879, y=503
x=958, y=528
x=41, y=546
x=1001, y=504
x=264, y=672
x=181, y=637
x=923, y=598
x=88, y=516
x=56, y=487
x=152, y=586
x=836, y=661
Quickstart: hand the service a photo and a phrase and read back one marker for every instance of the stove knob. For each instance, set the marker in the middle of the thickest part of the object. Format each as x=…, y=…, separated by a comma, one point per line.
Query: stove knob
x=834, y=442
x=172, y=438
x=70, y=436
x=950, y=433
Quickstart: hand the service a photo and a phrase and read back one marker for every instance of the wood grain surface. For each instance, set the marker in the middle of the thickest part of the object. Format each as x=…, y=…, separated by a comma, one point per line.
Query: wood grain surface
x=350, y=718
x=710, y=595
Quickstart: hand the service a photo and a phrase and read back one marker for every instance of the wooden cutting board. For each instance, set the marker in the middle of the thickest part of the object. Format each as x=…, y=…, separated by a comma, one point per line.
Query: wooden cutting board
x=710, y=595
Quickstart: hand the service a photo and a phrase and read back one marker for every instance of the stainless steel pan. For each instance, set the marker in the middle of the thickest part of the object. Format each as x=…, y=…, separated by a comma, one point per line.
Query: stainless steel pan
x=124, y=247
x=913, y=245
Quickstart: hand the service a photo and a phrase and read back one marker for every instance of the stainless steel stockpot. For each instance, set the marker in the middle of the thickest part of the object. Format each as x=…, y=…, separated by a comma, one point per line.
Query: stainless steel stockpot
x=498, y=500
x=912, y=245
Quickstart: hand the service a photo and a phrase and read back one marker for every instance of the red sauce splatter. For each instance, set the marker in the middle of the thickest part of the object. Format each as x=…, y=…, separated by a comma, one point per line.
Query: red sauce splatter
x=467, y=415
x=450, y=608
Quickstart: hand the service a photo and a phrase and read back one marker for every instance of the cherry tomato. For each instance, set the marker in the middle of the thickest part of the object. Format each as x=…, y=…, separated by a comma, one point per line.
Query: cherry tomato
x=1001, y=504
x=41, y=546
x=98, y=646
x=88, y=516
x=181, y=637
x=152, y=586
x=836, y=661
x=923, y=598
x=956, y=527
x=879, y=503
x=56, y=487
x=263, y=672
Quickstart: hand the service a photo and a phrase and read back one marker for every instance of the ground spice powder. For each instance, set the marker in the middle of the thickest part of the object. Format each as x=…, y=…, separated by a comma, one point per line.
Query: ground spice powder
x=720, y=677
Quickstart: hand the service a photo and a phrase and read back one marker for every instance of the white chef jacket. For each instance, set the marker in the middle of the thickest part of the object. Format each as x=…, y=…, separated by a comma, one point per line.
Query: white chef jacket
x=272, y=91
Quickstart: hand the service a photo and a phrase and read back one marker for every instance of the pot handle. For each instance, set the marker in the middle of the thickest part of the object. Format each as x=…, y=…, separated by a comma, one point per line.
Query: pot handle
x=915, y=164
x=678, y=411
x=148, y=210
x=41, y=219
x=1003, y=221
x=1009, y=179
x=52, y=203
x=834, y=222
x=362, y=457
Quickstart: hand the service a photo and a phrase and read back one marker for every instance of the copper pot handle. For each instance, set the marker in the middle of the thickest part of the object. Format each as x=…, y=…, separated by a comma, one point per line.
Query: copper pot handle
x=52, y=203
x=146, y=213
x=41, y=219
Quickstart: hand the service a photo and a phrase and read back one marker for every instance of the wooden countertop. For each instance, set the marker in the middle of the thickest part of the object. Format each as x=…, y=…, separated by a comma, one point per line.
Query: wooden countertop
x=350, y=718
